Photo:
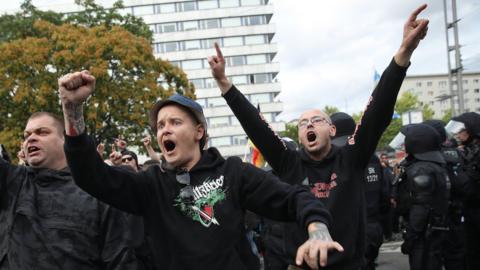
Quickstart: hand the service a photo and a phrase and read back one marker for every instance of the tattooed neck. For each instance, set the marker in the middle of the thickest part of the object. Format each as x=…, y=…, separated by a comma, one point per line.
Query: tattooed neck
x=319, y=231
x=74, y=122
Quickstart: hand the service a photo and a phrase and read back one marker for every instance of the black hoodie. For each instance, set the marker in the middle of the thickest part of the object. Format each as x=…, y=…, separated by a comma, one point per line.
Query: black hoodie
x=199, y=226
x=337, y=180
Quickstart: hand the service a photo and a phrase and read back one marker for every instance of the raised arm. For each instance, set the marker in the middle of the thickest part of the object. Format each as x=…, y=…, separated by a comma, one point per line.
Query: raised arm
x=258, y=130
x=379, y=110
x=123, y=189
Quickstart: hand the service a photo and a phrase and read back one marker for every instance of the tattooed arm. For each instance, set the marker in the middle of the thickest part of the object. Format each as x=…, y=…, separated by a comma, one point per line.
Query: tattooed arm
x=319, y=243
x=74, y=89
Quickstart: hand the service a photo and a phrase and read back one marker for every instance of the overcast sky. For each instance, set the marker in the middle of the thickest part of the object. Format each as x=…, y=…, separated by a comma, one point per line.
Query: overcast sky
x=328, y=50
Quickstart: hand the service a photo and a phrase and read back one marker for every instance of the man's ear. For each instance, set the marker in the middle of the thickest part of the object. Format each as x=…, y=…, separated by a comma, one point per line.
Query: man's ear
x=333, y=130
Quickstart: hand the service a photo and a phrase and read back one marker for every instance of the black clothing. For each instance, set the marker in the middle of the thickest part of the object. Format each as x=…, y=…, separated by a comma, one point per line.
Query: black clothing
x=47, y=222
x=337, y=180
x=200, y=225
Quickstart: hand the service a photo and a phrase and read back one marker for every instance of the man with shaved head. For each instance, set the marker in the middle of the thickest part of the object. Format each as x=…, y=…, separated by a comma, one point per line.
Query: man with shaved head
x=46, y=221
x=335, y=175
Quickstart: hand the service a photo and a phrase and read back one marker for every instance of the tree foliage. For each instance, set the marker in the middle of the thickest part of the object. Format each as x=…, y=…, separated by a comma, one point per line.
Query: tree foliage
x=291, y=131
x=406, y=102
x=129, y=78
x=329, y=110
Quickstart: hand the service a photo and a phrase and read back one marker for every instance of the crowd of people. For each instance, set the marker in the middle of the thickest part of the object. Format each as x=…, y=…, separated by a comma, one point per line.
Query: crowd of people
x=327, y=203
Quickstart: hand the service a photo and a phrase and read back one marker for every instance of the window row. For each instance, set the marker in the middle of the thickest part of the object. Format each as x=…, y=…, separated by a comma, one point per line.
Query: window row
x=231, y=61
x=444, y=83
x=187, y=45
x=226, y=121
x=208, y=24
x=220, y=101
x=258, y=78
x=191, y=6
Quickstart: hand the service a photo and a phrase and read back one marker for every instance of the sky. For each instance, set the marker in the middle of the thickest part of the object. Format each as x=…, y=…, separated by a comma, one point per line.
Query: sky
x=329, y=50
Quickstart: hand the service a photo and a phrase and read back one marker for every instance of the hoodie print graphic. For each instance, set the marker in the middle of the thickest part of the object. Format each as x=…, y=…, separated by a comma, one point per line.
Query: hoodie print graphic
x=197, y=202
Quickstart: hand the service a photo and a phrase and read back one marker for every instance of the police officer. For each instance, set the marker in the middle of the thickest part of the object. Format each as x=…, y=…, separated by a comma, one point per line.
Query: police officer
x=466, y=128
x=454, y=244
x=428, y=188
x=376, y=190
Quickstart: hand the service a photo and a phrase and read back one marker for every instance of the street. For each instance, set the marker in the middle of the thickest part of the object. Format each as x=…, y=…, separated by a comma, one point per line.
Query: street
x=391, y=258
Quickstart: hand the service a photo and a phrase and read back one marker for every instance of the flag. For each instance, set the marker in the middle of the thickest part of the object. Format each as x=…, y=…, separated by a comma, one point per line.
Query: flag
x=376, y=77
x=257, y=157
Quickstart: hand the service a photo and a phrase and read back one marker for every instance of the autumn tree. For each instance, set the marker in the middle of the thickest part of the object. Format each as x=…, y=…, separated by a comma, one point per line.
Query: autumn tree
x=129, y=78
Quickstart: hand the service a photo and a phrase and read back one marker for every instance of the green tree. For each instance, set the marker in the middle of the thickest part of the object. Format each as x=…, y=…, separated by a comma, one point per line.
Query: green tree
x=291, y=131
x=406, y=102
x=329, y=110
x=127, y=75
x=21, y=24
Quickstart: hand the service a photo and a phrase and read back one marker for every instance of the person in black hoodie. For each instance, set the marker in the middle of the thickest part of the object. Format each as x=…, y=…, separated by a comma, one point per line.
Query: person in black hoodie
x=377, y=193
x=194, y=204
x=46, y=221
x=334, y=175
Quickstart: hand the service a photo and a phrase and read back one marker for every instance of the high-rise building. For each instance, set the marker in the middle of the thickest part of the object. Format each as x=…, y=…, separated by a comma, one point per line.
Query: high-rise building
x=433, y=90
x=184, y=34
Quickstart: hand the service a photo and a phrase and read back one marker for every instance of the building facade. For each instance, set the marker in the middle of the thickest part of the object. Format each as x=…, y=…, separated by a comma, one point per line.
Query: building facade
x=433, y=90
x=184, y=34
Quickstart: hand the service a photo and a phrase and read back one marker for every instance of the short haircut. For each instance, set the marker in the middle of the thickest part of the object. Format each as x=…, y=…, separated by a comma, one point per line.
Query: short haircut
x=58, y=122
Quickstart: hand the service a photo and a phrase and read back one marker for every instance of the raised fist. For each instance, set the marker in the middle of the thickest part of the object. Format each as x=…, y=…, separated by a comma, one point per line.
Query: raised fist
x=75, y=88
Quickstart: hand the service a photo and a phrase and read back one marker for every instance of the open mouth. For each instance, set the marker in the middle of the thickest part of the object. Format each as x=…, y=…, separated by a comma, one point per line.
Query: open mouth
x=169, y=145
x=311, y=136
x=32, y=150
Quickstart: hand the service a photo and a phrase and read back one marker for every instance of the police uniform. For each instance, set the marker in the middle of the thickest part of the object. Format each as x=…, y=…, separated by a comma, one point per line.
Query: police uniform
x=427, y=184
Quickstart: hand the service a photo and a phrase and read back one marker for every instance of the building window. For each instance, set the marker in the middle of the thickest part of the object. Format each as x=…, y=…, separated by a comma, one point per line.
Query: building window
x=234, y=121
x=219, y=121
x=260, y=98
x=251, y=2
x=232, y=41
x=210, y=24
x=254, y=20
x=207, y=4
x=476, y=90
x=192, y=45
x=229, y=3
x=170, y=47
x=465, y=81
x=190, y=25
x=465, y=90
x=187, y=6
x=142, y=10
x=442, y=83
x=257, y=39
x=220, y=141
x=256, y=59
x=419, y=84
x=239, y=140
x=216, y=102
x=262, y=78
x=429, y=83
x=208, y=43
x=475, y=81
x=166, y=8
x=168, y=27
x=477, y=100
x=231, y=22
x=239, y=80
x=210, y=83
x=192, y=64
x=198, y=83
x=236, y=60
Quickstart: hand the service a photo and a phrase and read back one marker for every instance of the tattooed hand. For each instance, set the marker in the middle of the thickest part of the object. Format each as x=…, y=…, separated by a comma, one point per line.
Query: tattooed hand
x=74, y=89
x=315, y=250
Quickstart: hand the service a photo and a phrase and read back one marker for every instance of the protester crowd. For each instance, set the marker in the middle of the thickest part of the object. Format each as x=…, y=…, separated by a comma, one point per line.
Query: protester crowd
x=327, y=203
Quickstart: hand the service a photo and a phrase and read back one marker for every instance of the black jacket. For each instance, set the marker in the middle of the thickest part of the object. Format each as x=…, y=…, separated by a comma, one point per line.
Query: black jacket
x=338, y=180
x=47, y=222
x=199, y=226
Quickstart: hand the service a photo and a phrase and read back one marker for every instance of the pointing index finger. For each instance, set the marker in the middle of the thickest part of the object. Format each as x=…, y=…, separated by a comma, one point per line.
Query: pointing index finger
x=219, y=52
x=417, y=11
